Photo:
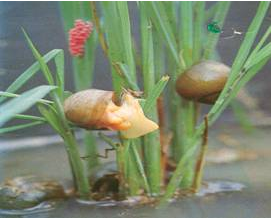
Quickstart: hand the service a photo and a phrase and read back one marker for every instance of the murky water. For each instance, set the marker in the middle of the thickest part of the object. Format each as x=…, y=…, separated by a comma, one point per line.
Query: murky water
x=243, y=185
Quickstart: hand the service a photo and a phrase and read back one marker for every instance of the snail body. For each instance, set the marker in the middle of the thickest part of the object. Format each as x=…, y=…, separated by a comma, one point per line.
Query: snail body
x=203, y=82
x=96, y=109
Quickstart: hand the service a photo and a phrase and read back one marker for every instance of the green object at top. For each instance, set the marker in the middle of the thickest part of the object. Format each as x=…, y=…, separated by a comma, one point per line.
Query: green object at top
x=213, y=27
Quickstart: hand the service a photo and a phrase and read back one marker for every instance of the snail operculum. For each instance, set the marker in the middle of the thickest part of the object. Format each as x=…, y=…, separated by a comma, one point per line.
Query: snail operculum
x=203, y=82
x=96, y=109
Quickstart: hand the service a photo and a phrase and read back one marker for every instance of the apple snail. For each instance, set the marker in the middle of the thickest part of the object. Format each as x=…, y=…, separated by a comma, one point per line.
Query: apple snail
x=203, y=82
x=96, y=109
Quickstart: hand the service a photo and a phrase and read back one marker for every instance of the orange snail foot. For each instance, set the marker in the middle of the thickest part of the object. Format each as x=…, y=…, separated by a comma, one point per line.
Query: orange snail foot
x=127, y=118
x=115, y=118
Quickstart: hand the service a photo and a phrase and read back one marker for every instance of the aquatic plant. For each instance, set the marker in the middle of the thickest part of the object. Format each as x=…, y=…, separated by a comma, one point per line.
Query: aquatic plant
x=173, y=40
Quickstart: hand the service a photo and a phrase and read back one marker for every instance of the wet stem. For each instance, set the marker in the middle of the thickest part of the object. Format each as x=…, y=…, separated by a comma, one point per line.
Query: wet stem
x=77, y=166
x=201, y=159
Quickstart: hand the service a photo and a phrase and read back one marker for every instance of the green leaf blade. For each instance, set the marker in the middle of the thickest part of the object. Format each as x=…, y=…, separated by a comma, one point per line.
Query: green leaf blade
x=23, y=102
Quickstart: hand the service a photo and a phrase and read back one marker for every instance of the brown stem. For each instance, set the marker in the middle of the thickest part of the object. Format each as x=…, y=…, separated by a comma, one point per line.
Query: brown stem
x=201, y=159
x=101, y=37
x=98, y=29
x=163, y=138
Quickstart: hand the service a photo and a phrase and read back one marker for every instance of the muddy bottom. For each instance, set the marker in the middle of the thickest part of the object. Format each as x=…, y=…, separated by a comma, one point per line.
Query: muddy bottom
x=245, y=164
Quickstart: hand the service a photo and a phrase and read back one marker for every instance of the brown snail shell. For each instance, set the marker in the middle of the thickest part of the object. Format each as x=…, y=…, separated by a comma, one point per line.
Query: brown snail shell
x=95, y=109
x=203, y=82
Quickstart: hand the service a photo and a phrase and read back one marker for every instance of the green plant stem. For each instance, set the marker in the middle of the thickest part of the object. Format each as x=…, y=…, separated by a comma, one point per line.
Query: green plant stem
x=62, y=125
x=77, y=165
x=186, y=31
x=152, y=150
x=176, y=178
x=83, y=67
x=140, y=168
x=201, y=159
x=132, y=174
x=81, y=78
x=90, y=151
x=121, y=164
x=82, y=181
x=115, y=48
x=178, y=174
x=188, y=121
x=219, y=17
x=199, y=11
x=156, y=12
x=238, y=78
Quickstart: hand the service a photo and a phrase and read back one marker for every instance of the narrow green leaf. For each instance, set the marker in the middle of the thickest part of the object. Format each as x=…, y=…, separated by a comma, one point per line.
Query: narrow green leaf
x=259, y=45
x=11, y=95
x=127, y=76
x=29, y=117
x=59, y=62
x=19, y=127
x=154, y=94
x=23, y=102
x=260, y=55
x=140, y=168
x=29, y=73
x=125, y=31
x=115, y=48
x=159, y=17
x=43, y=66
x=51, y=117
x=246, y=45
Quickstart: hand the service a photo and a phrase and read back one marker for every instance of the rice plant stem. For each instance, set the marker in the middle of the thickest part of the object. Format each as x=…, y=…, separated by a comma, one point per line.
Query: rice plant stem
x=133, y=176
x=141, y=168
x=201, y=159
x=90, y=151
x=77, y=165
x=186, y=31
x=121, y=164
x=220, y=15
x=199, y=10
x=118, y=76
x=177, y=176
x=102, y=40
x=152, y=149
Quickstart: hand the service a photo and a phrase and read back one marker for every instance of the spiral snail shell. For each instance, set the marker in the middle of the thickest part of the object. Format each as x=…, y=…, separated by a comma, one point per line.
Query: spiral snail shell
x=203, y=82
x=95, y=109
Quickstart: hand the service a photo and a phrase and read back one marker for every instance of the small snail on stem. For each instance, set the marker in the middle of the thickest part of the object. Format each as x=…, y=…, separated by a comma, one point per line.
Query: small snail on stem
x=96, y=109
x=203, y=82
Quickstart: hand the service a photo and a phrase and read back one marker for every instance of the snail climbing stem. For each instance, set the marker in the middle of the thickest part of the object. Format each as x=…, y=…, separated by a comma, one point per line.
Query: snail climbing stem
x=203, y=82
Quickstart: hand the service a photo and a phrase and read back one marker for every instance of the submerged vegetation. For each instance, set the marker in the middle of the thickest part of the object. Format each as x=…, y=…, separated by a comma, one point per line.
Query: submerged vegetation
x=176, y=37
